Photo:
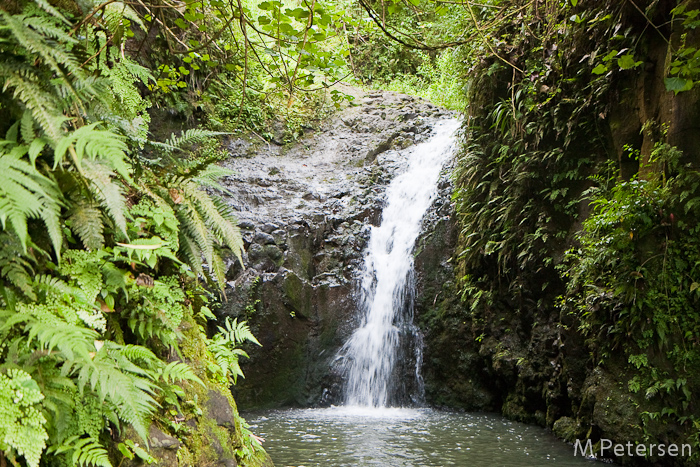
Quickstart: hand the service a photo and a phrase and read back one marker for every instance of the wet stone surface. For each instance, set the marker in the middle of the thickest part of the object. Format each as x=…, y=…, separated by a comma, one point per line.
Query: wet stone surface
x=305, y=212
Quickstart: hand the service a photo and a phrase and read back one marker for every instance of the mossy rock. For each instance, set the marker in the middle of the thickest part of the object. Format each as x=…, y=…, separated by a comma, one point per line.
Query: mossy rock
x=297, y=295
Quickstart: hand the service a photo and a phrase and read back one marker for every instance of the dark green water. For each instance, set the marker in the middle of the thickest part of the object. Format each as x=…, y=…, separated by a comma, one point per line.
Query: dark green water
x=358, y=437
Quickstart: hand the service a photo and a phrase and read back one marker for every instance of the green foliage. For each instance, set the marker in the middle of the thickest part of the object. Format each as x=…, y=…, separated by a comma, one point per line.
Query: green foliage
x=84, y=452
x=225, y=348
x=685, y=67
x=95, y=236
x=25, y=193
x=539, y=174
x=632, y=283
x=22, y=429
x=441, y=82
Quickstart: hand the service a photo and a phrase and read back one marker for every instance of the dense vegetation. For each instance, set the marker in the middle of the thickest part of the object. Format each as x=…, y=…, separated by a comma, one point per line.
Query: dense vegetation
x=578, y=203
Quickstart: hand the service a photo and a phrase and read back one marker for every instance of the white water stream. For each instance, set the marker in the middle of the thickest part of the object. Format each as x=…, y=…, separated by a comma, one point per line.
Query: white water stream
x=372, y=350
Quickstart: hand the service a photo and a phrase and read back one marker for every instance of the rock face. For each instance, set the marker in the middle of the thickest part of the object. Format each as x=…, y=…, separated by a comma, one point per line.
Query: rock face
x=453, y=372
x=305, y=212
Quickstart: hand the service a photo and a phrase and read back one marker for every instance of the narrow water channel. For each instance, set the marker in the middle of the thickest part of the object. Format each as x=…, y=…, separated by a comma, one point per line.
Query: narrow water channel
x=397, y=437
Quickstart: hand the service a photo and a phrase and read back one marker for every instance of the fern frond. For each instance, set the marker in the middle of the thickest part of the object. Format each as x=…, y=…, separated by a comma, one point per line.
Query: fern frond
x=193, y=226
x=41, y=103
x=236, y=333
x=193, y=135
x=16, y=267
x=115, y=12
x=85, y=452
x=178, y=371
x=19, y=272
x=58, y=287
x=86, y=221
x=130, y=393
x=30, y=31
x=218, y=269
x=44, y=5
x=26, y=193
x=27, y=126
x=73, y=342
x=124, y=363
x=95, y=144
x=139, y=353
x=211, y=175
x=224, y=230
x=230, y=231
x=108, y=192
x=191, y=253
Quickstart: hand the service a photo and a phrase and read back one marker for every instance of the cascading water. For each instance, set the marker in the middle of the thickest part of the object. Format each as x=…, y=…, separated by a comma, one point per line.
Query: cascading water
x=371, y=352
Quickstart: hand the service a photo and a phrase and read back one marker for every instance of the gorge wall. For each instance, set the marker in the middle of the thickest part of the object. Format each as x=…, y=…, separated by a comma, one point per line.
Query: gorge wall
x=572, y=200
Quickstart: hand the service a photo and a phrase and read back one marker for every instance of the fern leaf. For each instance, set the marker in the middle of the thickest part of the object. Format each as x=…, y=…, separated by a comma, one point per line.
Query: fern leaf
x=25, y=193
x=193, y=226
x=210, y=175
x=44, y=5
x=27, y=126
x=41, y=103
x=191, y=253
x=178, y=371
x=15, y=266
x=35, y=148
x=30, y=32
x=18, y=272
x=58, y=287
x=85, y=452
x=222, y=227
x=130, y=393
x=117, y=11
x=95, y=144
x=219, y=270
x=139, y=353
x=109, y=193
x=193, y=135
x=86, y=222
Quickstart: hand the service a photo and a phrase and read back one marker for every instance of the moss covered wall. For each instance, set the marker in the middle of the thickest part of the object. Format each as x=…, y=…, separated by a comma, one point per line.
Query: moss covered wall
x=544, y=136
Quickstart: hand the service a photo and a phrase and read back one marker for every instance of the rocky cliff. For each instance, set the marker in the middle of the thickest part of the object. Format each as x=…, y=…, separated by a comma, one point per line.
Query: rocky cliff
x=305, y=210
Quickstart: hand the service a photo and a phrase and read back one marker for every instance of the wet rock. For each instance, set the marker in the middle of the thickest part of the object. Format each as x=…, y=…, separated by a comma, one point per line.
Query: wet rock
x=220, y=409
x=247, y=225
x=280, y=237
x=269, y=227
x=313, y=203
x=159, y=440
x=263, y=238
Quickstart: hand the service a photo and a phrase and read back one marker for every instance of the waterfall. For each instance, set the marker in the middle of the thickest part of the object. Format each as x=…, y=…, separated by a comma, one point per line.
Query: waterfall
x=372, y=352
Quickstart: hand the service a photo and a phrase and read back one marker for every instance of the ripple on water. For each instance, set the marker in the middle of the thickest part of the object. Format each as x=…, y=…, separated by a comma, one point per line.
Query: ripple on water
x=399, y=437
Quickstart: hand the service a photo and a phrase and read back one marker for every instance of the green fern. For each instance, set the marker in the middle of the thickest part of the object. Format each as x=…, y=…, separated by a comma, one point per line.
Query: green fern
x=177, y=143
x=16, y=267
x=24, y=194
x=83, y=452
x=178, y=371
x=108, y=192
x=21, y=421
x=86, y=221
x=224, y=346
x=95, y=144
x=218, y=217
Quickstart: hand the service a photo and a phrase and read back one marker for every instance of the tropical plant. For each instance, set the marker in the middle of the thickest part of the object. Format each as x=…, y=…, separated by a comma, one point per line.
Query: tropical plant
x=95, y=249
x=225, y=348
